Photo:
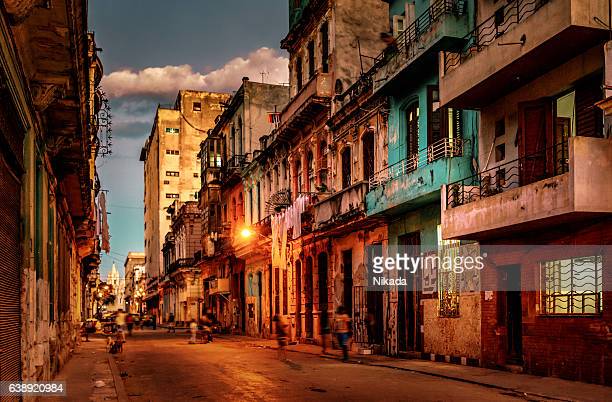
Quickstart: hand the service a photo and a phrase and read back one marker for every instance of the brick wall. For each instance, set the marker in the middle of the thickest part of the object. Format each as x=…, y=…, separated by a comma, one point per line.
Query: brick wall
x=572, y=347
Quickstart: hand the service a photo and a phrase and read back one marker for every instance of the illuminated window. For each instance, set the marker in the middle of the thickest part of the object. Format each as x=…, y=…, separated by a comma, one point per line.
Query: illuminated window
x=572, y=286
x=448, y=279
x=171, y=130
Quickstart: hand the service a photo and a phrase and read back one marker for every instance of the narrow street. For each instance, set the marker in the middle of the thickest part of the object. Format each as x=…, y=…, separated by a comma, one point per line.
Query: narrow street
x=162, y=366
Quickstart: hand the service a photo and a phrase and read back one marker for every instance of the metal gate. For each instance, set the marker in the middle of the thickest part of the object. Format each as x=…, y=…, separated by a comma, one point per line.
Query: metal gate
x=10, y=279
x=360, y=315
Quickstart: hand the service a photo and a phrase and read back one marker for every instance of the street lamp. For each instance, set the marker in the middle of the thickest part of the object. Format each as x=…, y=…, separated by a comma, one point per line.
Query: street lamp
x=246, y=233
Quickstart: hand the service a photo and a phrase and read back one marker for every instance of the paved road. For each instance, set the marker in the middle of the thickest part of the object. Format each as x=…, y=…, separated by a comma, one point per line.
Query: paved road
x=164, y=367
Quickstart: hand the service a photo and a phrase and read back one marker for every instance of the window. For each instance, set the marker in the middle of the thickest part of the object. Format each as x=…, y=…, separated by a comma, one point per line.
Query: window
x=325, y=47
x=166, y=181
x=367, y=145
x=572, y=286
x=311, y=172
x=172, y=195
x=197, y=106
x=500, y=127
x=311, y=59
x=399, y=25
x=346, y=167
x=412, y=128
x=172, y=152
x=172, y=173
x=500, y=152
x=448, y=279
x=299, y=73
x=171, y=130
x=196, y=175
x=298, y=179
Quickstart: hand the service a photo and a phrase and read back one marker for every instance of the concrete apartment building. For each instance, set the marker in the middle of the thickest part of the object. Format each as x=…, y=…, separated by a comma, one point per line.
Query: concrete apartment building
x=172, y=167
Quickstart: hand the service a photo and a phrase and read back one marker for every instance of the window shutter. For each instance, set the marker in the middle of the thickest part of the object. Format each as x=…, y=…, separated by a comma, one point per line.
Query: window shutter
x=589, y=117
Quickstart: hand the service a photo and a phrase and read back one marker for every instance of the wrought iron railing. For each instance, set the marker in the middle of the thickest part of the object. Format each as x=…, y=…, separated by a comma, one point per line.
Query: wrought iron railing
x=181, y=263
x=405, y=42
x=236, y=162
x=547, y=163
x=510, y=14
x=444, y=148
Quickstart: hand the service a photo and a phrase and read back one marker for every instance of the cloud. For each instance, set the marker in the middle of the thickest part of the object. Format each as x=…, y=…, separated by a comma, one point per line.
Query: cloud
x=166, y=81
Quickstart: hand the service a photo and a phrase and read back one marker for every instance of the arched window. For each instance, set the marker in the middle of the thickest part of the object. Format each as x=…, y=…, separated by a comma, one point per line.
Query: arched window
x=240, y=145
x=412, y=128
x=240, y=207
x=323, y=165
x=311, y=172
x=346, y=167
x=298, y=178
x=367, y=146
x=234, y=209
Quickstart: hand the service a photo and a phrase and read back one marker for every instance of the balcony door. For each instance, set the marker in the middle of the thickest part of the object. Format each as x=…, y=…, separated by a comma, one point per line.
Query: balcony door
x=412, y=128
x=535, y=140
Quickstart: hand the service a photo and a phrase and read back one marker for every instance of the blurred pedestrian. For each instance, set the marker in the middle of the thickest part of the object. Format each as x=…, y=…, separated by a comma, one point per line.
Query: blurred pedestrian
x=154, y=321
x=171, y=323
x=325, y=330
x=130, y=324
x=282, y=332
x=342, y=328
x=193, y=329
x=120, y=320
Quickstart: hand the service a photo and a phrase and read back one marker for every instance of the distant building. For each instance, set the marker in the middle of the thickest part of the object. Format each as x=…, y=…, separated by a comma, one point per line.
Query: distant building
x=117, y=282
x=172, y=168
x=135, y=284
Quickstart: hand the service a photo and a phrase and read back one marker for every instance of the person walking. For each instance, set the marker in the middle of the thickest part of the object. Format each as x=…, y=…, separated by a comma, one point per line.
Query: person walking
x=193, y=328
x=130, y=324
x=171, y=324
x=120, y=320
x=342, y=328
x=282, y=332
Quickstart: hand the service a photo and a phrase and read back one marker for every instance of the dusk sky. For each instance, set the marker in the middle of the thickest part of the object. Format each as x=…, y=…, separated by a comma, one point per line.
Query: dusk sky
x=153, y=48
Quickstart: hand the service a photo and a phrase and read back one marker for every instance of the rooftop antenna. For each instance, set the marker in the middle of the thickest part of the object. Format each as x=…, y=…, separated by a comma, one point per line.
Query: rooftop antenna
x=263, y=74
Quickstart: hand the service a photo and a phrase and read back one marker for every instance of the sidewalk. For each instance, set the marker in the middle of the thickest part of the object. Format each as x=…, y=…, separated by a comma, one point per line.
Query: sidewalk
x=523, y=384
x=91, y=374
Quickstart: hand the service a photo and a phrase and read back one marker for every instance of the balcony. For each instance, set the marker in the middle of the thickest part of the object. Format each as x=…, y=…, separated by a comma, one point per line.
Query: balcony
x=521, y=41
x=307, y=105
x=181, y=263
x=232, y=168
x=442, y=26
x=416, y=180
x=564, y=183
x=341, y=206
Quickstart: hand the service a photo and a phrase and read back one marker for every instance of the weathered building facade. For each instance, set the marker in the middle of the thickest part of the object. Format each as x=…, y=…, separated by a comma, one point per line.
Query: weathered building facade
x=172, y=168
x=543, y=155
x=135, y=285
x=180, y=284
x=48, y=182
x=231, y=146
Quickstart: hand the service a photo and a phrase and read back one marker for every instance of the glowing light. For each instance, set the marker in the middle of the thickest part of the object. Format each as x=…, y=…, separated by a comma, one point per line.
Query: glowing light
x=246, y=233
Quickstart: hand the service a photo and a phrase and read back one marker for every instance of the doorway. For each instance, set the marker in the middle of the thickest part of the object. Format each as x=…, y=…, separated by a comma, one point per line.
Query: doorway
x=298, y=298
x=308, y=300
x=510, y=311
x=323, y=292
x=409, y=314
x=347, y=296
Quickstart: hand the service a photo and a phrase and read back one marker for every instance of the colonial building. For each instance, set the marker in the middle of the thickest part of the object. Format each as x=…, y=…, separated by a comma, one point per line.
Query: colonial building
x=180, y=284
x=172, y=168
x=296, y=179
x=135, y=284
x=535, y=71
x=234, y=142
x=48, y=184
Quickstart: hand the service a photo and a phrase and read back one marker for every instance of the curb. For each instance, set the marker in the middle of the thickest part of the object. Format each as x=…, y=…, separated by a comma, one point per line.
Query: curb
x=518, y=392
x=119, y=387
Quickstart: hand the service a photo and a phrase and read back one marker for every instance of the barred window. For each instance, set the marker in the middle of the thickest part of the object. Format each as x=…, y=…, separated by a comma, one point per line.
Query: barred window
x=171, y=130
x=448, y=279
x=572, y=286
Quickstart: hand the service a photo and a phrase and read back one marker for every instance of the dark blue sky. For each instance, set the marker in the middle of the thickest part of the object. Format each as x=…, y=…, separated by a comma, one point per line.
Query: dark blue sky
x=140, y=34
x=202, y=33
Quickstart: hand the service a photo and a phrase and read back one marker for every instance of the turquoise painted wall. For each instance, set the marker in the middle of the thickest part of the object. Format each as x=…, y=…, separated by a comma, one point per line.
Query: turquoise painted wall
x=425, y=221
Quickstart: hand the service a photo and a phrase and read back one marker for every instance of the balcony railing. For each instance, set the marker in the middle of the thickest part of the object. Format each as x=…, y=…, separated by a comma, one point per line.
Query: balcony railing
x=550, y=162
x=444, y=148
x=236, y=162
x=492, y=28
x=181, y=263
